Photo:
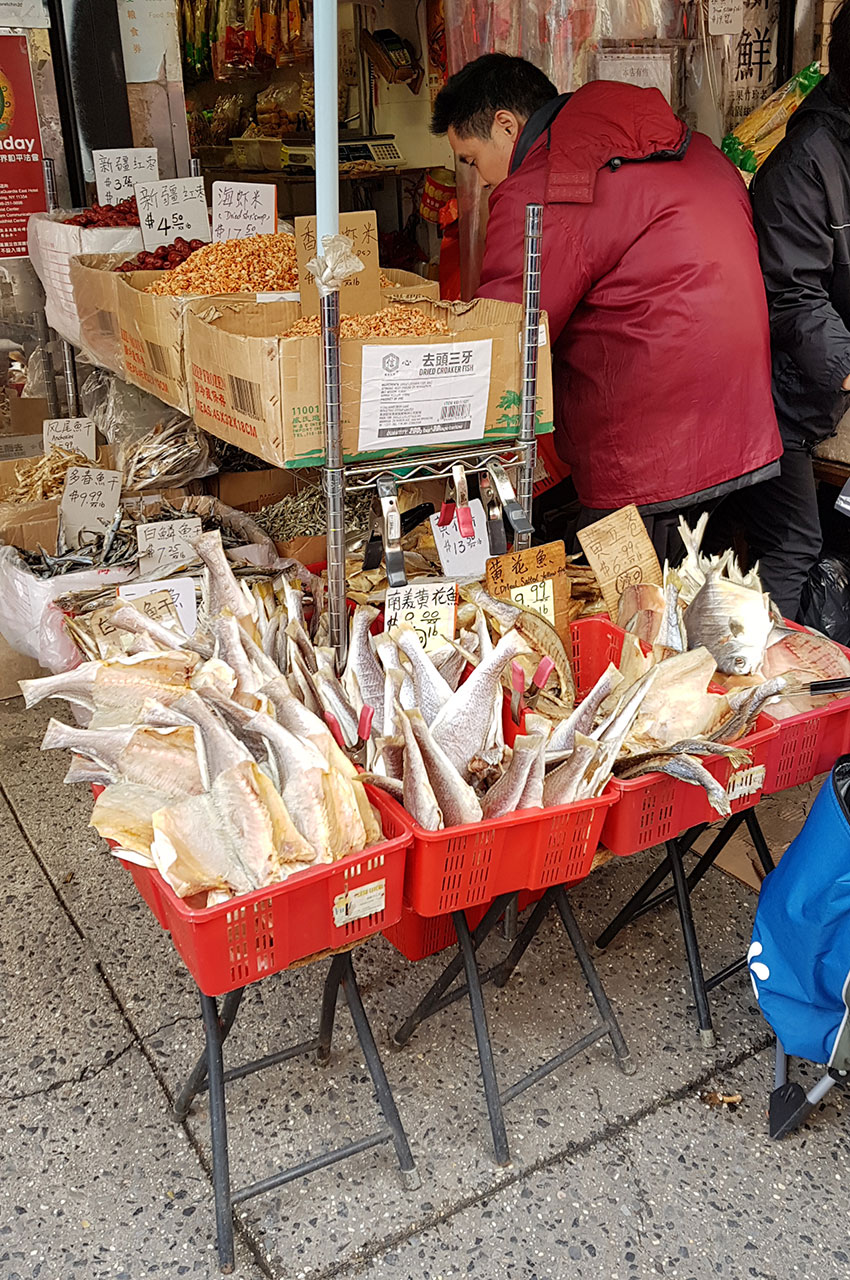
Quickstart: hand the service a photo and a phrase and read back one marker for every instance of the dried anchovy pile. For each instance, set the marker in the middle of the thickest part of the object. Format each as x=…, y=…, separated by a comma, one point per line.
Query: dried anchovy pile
x=393, y=321
x=117, y=546
x=302, y=515
x=163, y=457
x=257, y=264
x=44, y=476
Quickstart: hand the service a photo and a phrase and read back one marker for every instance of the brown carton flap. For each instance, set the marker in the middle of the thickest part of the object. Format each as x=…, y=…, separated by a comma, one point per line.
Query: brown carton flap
x=95, y=286
x=26, y=415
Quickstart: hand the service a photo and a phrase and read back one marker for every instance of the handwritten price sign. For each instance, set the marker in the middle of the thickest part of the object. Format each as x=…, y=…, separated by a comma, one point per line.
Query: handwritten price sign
x=74, y=434
x=89, y=502
x=117, y=170
x=242, y=209
x=429, y=607
x=172, y=208
x=620, y=552
x=463, y=557
x=166, y=543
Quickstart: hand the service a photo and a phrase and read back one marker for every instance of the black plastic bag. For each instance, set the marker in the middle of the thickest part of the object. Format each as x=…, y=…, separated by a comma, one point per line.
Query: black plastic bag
x=826, y=599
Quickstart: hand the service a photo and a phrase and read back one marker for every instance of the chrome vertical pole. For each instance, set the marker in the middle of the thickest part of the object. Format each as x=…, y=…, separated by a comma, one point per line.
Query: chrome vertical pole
x=69, y=368
x=530, y=344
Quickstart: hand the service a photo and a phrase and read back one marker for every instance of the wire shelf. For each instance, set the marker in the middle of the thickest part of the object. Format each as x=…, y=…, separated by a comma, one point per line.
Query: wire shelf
x=436, y=466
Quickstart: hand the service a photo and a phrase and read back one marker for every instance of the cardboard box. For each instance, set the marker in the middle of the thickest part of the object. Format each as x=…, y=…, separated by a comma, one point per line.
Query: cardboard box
x=95, y=286
x=252, y=490
x=29, y=526
x=26, y=415
x=264, y=393
x=411, y=284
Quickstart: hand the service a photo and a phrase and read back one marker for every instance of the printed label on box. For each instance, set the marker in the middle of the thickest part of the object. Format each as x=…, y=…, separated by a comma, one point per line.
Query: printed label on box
x=355, y=904
x=14, y=447
x=74, y=434
x=166, y=543
x=463, y=557
x=89, y=502
x=172, y=208
x=429, y=607
x=424, y=395
x=118, y=169
x=181, y=591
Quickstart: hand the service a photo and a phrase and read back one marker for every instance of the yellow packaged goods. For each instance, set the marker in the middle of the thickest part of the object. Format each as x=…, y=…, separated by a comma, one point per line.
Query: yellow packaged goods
x=401, y=392
x=257, y=264
x=393, y=321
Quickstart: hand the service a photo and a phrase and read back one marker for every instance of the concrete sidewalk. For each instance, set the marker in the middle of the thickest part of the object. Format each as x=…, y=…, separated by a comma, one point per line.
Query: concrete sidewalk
x=613, y=1177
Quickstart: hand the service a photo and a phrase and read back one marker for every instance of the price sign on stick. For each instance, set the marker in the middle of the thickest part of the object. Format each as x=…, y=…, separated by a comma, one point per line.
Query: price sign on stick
x=462, y=557
x=117, y=170
x=243, y=209
x=359, y=293
x=620, y=552
x=89, y=502
x=74, y=434
x=181, y=591
x=430, y=607
x=535, y=579
x=166, y=543
x=172, y=208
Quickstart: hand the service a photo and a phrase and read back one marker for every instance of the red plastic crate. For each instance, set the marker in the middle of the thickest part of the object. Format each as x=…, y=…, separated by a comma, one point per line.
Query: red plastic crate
x=418, y=937
x=260, y=933
x=809, y=743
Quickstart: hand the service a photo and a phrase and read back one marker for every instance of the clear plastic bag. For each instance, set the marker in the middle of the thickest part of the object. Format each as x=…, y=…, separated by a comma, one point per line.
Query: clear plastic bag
x=155, y=447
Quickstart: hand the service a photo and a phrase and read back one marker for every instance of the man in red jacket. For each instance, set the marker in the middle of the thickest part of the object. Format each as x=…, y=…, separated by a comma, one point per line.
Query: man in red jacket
x=650, y=277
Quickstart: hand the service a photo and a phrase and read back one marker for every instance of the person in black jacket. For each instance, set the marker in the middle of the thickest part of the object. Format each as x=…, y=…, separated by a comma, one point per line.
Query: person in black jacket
x=801, y=209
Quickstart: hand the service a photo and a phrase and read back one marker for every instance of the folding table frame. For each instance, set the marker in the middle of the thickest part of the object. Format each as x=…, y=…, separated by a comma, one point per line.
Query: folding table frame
x=439, y=997
x=646, y=898
x=209, y=1074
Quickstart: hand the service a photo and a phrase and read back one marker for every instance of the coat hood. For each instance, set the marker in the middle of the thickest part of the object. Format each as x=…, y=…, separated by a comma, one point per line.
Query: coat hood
x=607, y=123
x=827, y=101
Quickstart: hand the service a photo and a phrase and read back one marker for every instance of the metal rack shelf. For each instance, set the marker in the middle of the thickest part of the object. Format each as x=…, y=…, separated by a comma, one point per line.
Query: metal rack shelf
x=438, y=466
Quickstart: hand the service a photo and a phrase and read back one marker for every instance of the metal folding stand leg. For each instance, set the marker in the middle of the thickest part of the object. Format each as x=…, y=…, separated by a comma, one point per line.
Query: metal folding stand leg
x=439, y=997
x=790, y=1105
x=209, y=1074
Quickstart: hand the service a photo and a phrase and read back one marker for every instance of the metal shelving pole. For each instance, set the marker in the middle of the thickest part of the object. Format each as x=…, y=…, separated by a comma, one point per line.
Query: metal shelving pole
x=530, y=346
x=69, y=368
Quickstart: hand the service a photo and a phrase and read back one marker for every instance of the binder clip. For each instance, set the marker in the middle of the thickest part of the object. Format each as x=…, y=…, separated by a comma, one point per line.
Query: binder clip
x=496, y=536
x=517, y=518
x=456, y=504
x=374, y=548
x=390, y=530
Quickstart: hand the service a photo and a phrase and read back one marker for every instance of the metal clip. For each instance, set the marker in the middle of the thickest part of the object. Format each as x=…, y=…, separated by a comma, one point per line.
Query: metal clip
x=513, y=509
x=391, y=529
x=457, y=504
x=496, y=535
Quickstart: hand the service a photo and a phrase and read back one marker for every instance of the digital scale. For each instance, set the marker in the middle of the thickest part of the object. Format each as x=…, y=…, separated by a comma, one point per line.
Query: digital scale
x=380, y=151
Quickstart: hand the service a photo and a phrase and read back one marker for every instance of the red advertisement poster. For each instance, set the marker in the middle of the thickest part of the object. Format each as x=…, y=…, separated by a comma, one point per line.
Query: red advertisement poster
x=21, y=169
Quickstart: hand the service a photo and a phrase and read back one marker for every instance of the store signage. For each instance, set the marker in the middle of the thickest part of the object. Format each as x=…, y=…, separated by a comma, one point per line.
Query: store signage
x=165, y=543
x=89, y=502
x=243, y=209
x=462, y=557
x=620, y=553
x=171, y=208
x=14, y=447
x=21, y=168
x=117, y=170
x=429, y=607
x=74, y=434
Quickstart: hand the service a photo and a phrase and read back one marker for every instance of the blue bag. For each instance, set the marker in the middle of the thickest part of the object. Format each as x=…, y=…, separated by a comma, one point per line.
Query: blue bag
x=800, y=954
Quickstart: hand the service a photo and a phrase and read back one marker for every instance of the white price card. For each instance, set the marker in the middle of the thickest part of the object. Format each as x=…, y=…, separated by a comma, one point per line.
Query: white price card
x=117, y=170
x=463, y=557
x=424, y=395
x=77, y=435
x=172, y=208
x=165, y=543
x=12, y=448
x=89, y=502
x=243, y=209
x=429, y=606
x=725, y=17
x=181, y=590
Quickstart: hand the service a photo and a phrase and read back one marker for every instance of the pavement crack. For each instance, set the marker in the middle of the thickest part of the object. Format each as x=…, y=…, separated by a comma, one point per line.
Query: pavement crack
x=88, y=1072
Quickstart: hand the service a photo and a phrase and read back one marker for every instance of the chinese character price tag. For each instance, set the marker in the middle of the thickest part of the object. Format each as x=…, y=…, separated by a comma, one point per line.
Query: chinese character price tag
x=725, y=17
x=430, y=607
x=77, y=435
x=89, y=502
x=620, y=552
x=359, y=293
x=243, y=209
x=181, y=592
x=118, y=170
x=176, y=207
x=165, y=543
x=535, y=579
x=463, y=557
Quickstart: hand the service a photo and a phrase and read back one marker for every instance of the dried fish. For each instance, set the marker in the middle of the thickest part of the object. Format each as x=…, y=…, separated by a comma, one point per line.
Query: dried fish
x=456, y=799
x=432, y=691
x=363, y=679
x=732, y=622
x=504, y=796
x=462, y=726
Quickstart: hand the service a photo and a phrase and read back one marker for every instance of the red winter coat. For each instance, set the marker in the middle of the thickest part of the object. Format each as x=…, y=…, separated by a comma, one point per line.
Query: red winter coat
x=657, y=312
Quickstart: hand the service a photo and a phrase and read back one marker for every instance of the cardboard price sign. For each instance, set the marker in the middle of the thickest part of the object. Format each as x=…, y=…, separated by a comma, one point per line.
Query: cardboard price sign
x=725, y=17
x=74, y=434
x=243, y=209
x=118, y=169
x=360, y=292
x=166, y=542
x=89, y=502
x=620, y=552
x=172, y=208
x=535, y=579
x=430, y=608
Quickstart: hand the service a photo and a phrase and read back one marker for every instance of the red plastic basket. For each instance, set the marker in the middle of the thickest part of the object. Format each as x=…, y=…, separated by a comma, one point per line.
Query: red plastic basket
x=260, y=933
x=418, y=937
x=808, y=744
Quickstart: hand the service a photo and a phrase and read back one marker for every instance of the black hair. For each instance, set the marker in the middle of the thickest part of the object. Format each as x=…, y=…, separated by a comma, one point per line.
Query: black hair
x=495, y=82
x=839, y=48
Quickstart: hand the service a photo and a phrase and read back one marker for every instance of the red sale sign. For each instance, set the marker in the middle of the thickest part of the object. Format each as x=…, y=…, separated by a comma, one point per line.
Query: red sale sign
x=21, y=169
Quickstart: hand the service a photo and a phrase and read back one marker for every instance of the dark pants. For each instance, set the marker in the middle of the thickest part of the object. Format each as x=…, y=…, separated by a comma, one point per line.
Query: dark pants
x=780, y=522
